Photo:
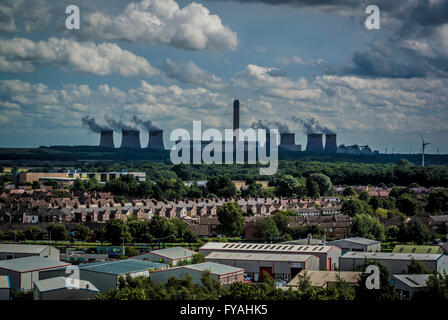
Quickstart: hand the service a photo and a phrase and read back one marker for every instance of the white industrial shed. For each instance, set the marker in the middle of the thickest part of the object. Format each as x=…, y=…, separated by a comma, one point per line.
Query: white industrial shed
x=396, y=263
x=223, y=273
x=23, y=271
x=278, y=265
x=357, y=244
x=328, y=255
x=104, y=275
x=171, y=256
x=14, y=251
x=408, y=284
x=59, y=289
x=5, y=288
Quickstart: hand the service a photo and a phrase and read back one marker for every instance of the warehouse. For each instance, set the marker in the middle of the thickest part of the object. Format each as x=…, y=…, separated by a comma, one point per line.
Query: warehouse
x=417, y=249
x=408, y=284
x=357, y=244
x=223, y=273
x=14, y=251
x=5, y=288
x=396, y=263
x=23, y=271
x=277, y=265
x=171, y=256
x=325, y=279
x=328, y=255
x=57, y=289
x=104, y=275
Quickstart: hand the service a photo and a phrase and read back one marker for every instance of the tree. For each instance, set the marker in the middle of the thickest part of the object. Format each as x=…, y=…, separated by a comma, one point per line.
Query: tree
x=231, y=220
x=57, y=232
x=416, y=267
x=351, y=207
x=82, y=232
x=190, y=236
x=266, y=229
x=131, y=251
x=367, y=226
x=282, y=220
x=140, y=230
x=408, y=205
x=349, y=192
x=222, y=186
x=117, y=232
x=313, y=189
x=198, y=258
x=436, y=289
x=33, y=233
x=35, y=185
x=100, y=234
x=162, y=228
x=323, y=181
x=288, y=186
x=438, y=201
x=364, y=196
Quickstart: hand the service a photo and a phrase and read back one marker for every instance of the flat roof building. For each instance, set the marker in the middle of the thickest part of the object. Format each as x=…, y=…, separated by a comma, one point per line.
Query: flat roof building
x=277, y=265
x=357, y=244
x=171, y=256
x=104, y=275
x=324, y=279
x=396, y=263
x=59, y=289
x=223, y=273
x=5, y=288
x=328, y=255
x=408, y=284
x=23, y=271
x=14, y=251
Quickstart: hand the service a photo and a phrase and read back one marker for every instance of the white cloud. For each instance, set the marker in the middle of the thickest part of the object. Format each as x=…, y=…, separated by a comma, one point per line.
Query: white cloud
x=260, y=49
x=19, y=55
x=163, y=22
x=292, y=60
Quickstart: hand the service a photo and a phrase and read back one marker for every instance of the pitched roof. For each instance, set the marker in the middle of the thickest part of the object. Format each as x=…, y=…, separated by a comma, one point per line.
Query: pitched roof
x=62, y=283
x=214, y=268
x=32, y=263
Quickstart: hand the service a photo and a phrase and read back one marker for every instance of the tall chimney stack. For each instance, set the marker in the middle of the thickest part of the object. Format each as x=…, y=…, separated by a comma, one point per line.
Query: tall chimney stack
x=236, y=120
x=107, y=139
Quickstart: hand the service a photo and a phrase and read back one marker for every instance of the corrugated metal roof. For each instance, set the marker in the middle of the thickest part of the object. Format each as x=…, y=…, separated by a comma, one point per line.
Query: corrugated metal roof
x=22, y=248
x=174, y=253
x=121, y=267
x=390, y=256
x=413, y=280
x=61, y=283
x=417, y=249
x=358, y=240
x=263, y=247
x=31, y=264
x=4, y=282
x=214, y=268
x=259, y=256
x=320, y=278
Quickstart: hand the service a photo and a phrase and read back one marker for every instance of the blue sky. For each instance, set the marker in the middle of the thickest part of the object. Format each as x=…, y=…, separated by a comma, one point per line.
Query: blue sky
x=173, y=62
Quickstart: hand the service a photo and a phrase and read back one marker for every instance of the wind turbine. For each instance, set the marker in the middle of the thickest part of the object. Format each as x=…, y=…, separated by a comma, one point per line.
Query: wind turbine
x=424, y=144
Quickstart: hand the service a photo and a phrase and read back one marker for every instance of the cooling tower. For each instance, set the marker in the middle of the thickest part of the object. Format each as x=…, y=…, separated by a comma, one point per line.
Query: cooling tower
x=107, y=139
x=287, y=139
x=314, y=143
x=156, y=140
x=130, y=139
x=330, y=143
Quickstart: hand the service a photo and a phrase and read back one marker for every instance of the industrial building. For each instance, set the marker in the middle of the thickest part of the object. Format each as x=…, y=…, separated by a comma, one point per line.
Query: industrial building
x=155, y=140
x=277, y=265
x=107, y=139
x=325, y=279
x=328, y=255
x=417, y=249
x=223, y=273
x=58, y=289
x=314, y=143
x=5, y=288
x=396, y=263
x=104, y=275
x=330, y=143
x=171, y=256
x=357, y=244
x=70, y=176
x=14, y=251
x=130, y=139
x=23, y=271
x=408, y=284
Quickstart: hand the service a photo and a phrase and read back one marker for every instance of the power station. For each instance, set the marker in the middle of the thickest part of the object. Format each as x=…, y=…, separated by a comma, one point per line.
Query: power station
x=107, y=139
x=155, y=140
x=130, y=139
x=314, y=142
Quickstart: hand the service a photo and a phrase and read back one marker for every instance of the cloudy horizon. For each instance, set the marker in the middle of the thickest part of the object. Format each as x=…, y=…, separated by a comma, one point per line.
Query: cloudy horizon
x=171, y=62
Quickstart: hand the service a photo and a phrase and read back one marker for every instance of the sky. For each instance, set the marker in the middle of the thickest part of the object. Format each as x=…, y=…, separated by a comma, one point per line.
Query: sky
x=289, y=62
